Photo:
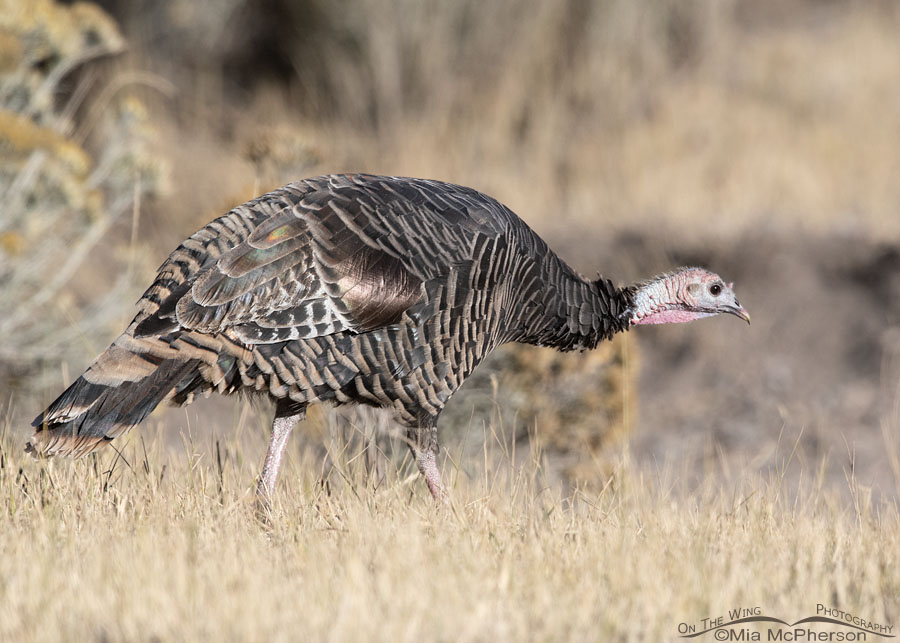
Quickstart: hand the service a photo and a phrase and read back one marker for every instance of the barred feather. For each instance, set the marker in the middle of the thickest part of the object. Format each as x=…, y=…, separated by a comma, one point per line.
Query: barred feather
x=348, y=288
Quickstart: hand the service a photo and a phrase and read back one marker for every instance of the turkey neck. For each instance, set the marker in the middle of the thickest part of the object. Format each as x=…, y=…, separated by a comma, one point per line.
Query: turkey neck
x=571, y=313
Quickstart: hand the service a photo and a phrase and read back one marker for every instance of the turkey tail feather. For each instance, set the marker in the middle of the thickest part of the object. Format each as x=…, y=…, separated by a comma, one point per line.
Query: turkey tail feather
x=88, y=415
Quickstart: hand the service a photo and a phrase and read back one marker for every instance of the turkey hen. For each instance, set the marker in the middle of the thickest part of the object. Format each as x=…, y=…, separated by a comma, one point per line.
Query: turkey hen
x=360, y=289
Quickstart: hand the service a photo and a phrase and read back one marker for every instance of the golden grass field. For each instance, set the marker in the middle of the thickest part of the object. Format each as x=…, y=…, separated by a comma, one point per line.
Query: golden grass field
x=670, y=476
x=151, y=548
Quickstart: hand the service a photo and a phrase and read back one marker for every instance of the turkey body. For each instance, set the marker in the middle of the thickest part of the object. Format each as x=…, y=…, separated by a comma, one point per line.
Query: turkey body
x=363, y=289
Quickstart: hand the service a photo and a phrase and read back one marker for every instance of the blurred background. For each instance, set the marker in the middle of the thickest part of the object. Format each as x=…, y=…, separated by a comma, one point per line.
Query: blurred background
x=758, y=138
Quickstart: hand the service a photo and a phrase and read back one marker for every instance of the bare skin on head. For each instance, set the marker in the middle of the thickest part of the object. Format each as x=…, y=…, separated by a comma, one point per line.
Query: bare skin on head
x=683, y=296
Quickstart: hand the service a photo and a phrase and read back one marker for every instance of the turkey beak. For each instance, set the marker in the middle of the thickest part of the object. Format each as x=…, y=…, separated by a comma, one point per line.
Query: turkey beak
x=738, y=311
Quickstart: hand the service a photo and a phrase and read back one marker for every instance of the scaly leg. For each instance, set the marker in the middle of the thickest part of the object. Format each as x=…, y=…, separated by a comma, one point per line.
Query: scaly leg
x=424, y=446
x=286, y=416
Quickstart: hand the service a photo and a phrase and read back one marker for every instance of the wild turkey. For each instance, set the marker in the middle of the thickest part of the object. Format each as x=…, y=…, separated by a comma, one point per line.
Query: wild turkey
x=353, y=289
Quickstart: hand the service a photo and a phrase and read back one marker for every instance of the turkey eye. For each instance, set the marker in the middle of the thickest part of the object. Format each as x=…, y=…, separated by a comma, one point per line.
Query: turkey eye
x=715, y=290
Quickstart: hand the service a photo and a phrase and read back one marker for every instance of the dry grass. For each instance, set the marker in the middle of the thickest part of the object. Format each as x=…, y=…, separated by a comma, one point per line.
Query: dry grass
x=168, y=548
x=755, y=137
